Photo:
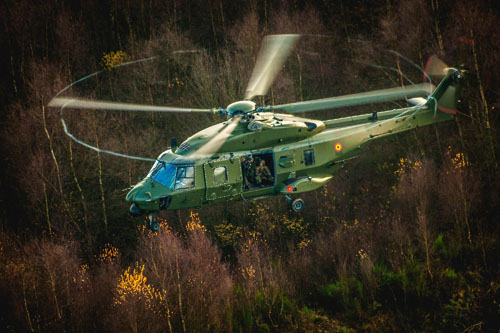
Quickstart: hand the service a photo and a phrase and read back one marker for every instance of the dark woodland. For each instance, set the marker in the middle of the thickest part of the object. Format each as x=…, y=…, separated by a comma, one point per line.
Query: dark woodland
x=404, y=238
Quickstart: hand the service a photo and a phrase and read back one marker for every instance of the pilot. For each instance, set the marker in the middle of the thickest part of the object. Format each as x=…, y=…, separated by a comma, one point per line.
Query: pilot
x=248, y=171
x=263, y=174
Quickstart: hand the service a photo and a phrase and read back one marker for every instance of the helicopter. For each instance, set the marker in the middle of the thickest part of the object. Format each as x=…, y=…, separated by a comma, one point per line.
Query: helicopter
x=262, y=152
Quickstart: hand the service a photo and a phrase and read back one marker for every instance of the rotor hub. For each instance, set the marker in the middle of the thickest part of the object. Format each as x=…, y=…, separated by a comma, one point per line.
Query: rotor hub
x=240, y=108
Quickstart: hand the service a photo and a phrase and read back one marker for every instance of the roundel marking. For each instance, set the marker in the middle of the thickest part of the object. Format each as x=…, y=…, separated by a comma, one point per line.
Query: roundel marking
x=338, y=147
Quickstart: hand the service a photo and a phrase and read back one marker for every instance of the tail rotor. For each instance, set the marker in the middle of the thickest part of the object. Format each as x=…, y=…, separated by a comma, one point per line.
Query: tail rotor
x=436, y=68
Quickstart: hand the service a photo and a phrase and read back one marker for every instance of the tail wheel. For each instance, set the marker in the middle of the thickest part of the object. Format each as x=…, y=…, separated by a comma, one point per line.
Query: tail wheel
x=297, y=205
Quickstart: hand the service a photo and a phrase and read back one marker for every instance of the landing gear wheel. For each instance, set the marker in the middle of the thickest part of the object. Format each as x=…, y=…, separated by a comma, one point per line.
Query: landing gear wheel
x=151, y=222
x=155, y=226
x=297, y=205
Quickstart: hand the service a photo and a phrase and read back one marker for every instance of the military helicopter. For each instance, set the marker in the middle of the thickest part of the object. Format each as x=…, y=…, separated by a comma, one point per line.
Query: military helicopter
x=259, y=153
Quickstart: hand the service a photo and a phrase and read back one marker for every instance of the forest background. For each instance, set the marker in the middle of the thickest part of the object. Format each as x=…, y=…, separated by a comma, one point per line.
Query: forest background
x=406, y=237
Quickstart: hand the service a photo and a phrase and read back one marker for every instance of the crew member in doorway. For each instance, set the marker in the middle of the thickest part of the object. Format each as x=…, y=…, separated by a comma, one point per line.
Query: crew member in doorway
x=248, y=171
x=263, y=175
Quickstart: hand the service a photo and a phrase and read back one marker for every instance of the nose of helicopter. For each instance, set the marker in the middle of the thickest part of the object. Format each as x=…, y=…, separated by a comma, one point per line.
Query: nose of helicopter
x=132, y=193
x=135, y=210
x=145, y=196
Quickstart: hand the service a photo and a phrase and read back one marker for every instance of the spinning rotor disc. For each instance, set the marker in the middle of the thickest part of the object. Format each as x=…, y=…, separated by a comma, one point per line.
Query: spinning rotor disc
x=272, y=55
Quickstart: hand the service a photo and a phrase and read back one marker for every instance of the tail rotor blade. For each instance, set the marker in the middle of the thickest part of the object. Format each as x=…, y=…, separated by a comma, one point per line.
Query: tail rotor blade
x=435, y=67
x=78, y=103
x=273, y=53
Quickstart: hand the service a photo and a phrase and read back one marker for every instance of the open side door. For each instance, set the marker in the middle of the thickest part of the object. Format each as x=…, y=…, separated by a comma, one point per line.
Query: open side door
x=223, y=179
x=258, y=171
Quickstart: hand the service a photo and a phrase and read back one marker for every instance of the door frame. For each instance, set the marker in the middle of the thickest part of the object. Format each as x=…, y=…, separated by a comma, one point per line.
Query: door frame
x=229, y=189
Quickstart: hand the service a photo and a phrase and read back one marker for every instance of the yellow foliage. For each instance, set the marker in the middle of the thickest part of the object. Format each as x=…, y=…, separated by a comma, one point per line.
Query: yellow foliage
x=261, y=211
x=328, y=207
x=362, y=255
x=133, y=286
x=228, y=233
x=295, y=226
x=195, y=223
x=176, y=82
x=109, y=254
x=405, y=165
x=164, y=225
x=353, y=225
x=459, y=161
x=113, y=59
x=82, y=274
x=304, y=243
x=248, y=272
x=299, y=229
x=254, y=237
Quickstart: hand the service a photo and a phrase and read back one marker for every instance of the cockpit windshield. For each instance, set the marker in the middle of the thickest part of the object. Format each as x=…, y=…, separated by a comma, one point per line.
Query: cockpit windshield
x=164, y=173
x=173, y=177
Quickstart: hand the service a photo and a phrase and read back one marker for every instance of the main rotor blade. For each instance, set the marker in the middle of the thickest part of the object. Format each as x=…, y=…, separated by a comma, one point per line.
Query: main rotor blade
x=78, y=103
x=376, y=96
x=212, y=147
x=273, y=53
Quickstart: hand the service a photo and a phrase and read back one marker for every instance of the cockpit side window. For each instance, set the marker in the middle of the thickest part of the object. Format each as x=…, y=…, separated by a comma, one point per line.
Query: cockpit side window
x=184, y=177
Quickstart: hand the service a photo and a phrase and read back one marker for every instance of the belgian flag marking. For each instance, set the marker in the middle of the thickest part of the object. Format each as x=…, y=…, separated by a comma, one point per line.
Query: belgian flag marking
x=338, y=147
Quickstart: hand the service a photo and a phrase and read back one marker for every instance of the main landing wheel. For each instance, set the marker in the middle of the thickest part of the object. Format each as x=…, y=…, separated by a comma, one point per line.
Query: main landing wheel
x=297, y=205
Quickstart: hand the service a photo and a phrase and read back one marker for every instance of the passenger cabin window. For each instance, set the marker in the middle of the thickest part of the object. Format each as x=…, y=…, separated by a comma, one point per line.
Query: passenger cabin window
x=220, y=175
x=309, y=157
x=184, y=177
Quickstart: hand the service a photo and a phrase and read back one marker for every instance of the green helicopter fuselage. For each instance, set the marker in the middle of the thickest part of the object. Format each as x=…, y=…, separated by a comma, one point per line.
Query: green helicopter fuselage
x=300, y=154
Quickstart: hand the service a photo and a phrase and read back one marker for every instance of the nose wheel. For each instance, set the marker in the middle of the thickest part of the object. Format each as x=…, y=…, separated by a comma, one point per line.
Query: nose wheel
x=297, y=204
x=151, y=222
